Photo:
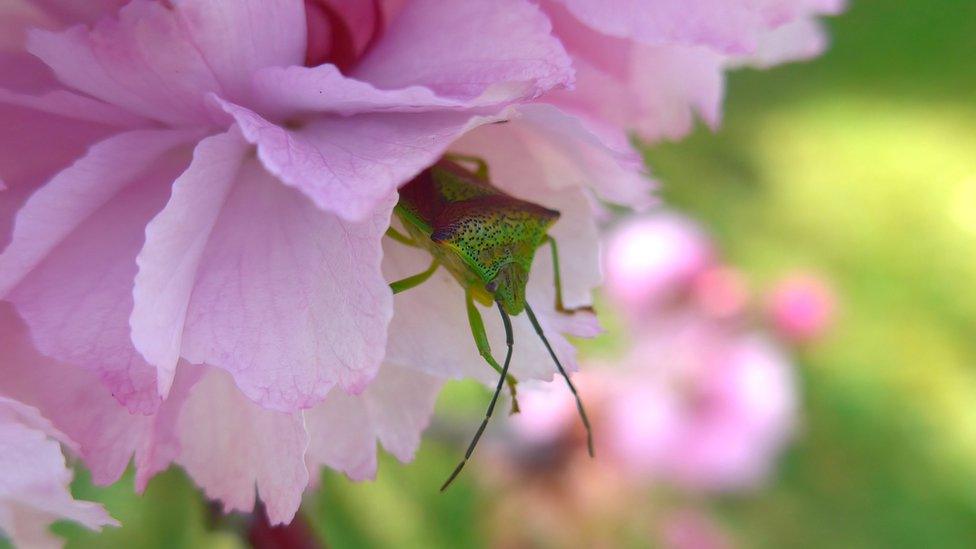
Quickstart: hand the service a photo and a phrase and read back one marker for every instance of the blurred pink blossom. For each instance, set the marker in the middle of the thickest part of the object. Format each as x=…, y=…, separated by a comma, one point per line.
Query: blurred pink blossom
x=653, y=259
x=802, y=307
x=548, y=411
x=721, y=292
x=703, y=406
x=34, y=480
x=692, y=529
x=697, y=403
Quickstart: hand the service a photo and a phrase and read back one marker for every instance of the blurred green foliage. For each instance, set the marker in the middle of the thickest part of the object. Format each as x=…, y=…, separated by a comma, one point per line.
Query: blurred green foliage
x=860, y=165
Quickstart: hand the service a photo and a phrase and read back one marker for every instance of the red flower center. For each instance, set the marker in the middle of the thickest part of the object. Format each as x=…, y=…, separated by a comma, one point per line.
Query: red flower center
x=341, y=31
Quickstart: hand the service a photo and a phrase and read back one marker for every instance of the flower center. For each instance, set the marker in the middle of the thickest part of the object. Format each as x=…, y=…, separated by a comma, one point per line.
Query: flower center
x=340, y=32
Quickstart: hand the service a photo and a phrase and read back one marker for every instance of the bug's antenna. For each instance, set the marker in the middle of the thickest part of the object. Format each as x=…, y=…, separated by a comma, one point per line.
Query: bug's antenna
x=494, y=398
x=562, y=372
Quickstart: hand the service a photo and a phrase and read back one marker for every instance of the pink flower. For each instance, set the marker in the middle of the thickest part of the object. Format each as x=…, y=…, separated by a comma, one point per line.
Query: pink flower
x=548, y=411
x=34, y=479
x=696, y=403
x=195, y=193
x=235, y=227
x=802, y=307
x=703, y=406
x=653, y=260
x=193, y=226
x=693, y=529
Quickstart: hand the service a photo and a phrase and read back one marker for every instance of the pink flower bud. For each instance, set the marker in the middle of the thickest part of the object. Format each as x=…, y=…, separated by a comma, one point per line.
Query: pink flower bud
x=802, y=307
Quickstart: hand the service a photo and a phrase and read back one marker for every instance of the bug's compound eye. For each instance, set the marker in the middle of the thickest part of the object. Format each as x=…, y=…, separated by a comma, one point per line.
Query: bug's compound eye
x=492, y=286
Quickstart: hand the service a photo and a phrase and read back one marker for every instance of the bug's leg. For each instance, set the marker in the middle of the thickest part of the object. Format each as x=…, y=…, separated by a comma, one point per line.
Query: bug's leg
x=558, y=282
x=415, y=280
x=494, y=399
x=481, y=172
x=400, y=237
x=481, y=340
x=562, y=372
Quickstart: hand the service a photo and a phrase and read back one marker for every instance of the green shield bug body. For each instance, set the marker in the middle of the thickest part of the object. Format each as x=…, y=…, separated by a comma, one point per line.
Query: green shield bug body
x=487, y=240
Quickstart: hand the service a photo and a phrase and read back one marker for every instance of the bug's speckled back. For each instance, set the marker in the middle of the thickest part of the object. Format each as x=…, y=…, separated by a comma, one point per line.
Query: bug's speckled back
x=482, y=235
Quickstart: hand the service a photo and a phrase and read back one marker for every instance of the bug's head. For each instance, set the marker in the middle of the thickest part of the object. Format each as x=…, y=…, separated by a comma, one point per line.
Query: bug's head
x=508, y=288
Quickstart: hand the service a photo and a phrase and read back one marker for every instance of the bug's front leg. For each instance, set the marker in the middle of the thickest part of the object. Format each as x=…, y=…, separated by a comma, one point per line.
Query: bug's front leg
x=484, y=349
x=482, y=170
x=494, y=399
x=558, y=282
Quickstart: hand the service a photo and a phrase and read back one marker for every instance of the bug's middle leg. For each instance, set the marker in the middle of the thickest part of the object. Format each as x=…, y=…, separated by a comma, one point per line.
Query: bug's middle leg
x=484, y=349
x=400, y=237
x=415, y=280
x=558, y=282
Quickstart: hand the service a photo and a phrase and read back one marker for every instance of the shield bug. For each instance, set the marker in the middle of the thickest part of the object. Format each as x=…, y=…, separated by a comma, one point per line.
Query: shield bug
x=487, y=240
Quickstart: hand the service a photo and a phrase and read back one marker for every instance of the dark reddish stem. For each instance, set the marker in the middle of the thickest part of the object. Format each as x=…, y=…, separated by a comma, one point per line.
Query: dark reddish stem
x=297, y=535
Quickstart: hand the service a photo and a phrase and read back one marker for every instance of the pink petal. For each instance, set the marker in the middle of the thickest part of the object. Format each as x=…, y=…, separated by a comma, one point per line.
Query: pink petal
x=287, y=298
x=13, y=411
x=464, y=49
x=797, y=41
x=41, y=134
x=160, y=62
x=73, y=106
x=729, y=26
x=71, y=11
x=293, y=90
x=141, y=62
x=16, y=16
x=341, y=437
x=175, y=242
x=34, y=480
x=547, y=148
x=70, y=264
x=654, y=88
x=662, y=91
x=238, y=38
x=158, y=444
x=350, y=165
x=21, y=72
x=230, y=446
x=394, y=409
x=34, y=146
x=83, y=409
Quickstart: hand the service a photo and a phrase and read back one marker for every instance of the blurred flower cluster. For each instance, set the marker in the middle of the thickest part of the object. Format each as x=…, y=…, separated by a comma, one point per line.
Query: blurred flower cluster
x=194, y=195
x=701, y=400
